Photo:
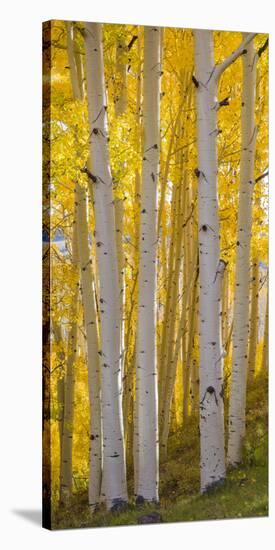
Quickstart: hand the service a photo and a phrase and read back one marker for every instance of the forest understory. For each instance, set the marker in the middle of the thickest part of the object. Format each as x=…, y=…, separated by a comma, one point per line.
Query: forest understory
x=243, y=495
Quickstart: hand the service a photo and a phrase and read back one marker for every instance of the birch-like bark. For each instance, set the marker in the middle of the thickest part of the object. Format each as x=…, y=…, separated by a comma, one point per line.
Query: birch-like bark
x=212, y=462
x=265, y=342
x=138, y=113
x=114, y=469
x=65, y=390
x=189, y=354
x=225, y=307
x=66, y=476
x=166, y=317
x=211, y=266
x=171, y=300
x=189, y=269
x=119, y=214
x=81, y=255
x=173, y=343
x=57, y=331
x=77, y=94
x=146, y=413
x=66, y=459
x=253, y=330
x=237, y=401
x=121, y=78
x=60, y=401
x=169, y=364
x=171, y=378
x=89, y=309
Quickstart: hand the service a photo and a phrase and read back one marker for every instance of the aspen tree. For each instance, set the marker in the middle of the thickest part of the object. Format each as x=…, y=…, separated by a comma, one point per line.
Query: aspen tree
x=66, y=476
x=206, y=79
x=69, y=379
x=58, y=336
x=166, y=317
x=129, y=362
x=119, y=212
x=265, y=342
x=72, y=62
x=182, y=329
x=171, y=300
x=170, y=357
x=146, y=414
x=194, y=376
x=195, y=302
x=114, y=468
x=81, y=254
x=176, y=255
x=170, y=365
x=237, y=402
x=164, y=178
x=137, y=197
x=253, y=330
x=190, y=367
x=189, y=354
x=60, y=400
x=190, y=268
x=89, y=308
x=120, y=78
x=183, y=244
x=66, y=388
x=225, y=307
x=57, y=331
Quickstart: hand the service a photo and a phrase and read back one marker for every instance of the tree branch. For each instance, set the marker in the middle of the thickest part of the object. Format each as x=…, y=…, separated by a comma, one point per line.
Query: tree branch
x=262, y=49
x=221, y=67
x=262, y=176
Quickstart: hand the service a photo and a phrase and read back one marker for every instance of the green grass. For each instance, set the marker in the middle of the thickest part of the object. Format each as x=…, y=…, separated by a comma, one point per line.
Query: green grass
x=244, y=493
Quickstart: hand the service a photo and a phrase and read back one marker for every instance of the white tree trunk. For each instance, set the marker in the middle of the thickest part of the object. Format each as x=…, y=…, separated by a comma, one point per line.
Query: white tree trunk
x=81, y=255
x=146, y=410
x=241, y=297
x=66, y=478
x=121, y=78
x=58, y=335
x=119, y=221
x=211, y=267
x=89, y=309
x=253, y=329
x=171, y=379
x=114, y=470
x=265, y=341
x=211, y=362
x=76, y=89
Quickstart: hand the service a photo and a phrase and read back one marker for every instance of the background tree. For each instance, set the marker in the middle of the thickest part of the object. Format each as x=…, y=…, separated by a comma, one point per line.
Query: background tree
x=146, y=420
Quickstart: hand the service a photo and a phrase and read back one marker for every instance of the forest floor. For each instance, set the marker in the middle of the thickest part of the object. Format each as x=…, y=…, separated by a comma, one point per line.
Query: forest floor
x=244, y=493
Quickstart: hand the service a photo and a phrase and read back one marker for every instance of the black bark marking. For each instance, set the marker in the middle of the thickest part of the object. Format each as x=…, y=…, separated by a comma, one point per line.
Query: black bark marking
x=262, y=48
x=211, y=391
x=224, y=102
x=197, y=172
x=132, y=41
x=195, y=81
x=205, y=226
x=91, y=176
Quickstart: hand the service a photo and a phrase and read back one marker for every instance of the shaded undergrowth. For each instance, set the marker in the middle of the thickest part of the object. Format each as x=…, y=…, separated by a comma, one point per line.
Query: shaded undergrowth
x=244, y=493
